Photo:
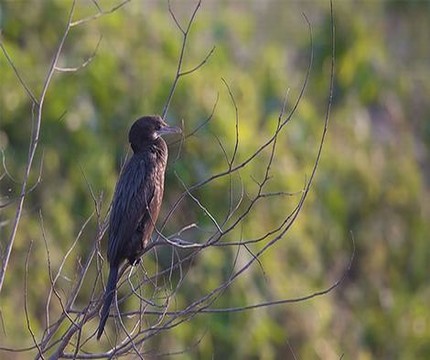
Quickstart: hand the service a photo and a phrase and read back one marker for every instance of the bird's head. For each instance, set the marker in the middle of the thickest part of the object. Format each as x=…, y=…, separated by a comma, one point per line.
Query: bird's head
x=147, y=130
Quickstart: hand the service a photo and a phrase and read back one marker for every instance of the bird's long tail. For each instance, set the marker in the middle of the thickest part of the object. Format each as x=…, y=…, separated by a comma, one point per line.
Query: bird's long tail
x=110, y=291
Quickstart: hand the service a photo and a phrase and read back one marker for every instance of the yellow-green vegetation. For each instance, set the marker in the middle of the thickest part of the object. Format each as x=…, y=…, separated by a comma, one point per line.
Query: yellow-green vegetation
x=372, y=183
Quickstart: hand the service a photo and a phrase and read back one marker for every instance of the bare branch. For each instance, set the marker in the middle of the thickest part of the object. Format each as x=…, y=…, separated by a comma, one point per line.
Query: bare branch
x=32, y=151
x=84, y=64
x=18, y=75
x=27, y=316
x=179, y=72
x=198, y=66
x=99, y=14
x=200, y=205
x=236, y=110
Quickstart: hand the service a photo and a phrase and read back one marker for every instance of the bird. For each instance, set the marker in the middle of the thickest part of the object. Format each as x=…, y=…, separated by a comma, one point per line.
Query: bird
x=136, y=202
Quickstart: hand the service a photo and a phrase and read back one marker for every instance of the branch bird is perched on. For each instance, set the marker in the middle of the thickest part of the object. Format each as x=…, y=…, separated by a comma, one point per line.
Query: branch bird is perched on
x=137, y=200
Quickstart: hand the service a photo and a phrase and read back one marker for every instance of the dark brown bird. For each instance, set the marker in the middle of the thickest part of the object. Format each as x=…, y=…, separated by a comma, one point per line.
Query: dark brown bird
x=137, y=200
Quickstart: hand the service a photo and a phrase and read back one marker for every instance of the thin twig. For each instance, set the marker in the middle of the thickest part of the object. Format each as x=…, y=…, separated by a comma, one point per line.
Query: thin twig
x=27, y=316
x=100, y=13
x=18, y=75
x=179, y=72
x=84, y=64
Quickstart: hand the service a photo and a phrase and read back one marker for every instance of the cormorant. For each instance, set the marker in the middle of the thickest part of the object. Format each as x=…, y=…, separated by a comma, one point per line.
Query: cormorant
x=136, y=202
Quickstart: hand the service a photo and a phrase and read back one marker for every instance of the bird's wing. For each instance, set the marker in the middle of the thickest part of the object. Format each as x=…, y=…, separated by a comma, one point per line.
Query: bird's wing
x=133, y=194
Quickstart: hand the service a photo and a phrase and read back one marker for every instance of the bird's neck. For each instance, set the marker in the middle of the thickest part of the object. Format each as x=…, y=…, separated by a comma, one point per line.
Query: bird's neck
x=157, y=148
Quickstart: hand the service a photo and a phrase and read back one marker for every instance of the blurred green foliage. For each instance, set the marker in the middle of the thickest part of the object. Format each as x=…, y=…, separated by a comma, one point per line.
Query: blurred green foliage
x=372, y=183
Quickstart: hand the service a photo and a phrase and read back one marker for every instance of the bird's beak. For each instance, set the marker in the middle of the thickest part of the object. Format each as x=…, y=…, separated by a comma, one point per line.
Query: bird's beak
x=166, y=129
